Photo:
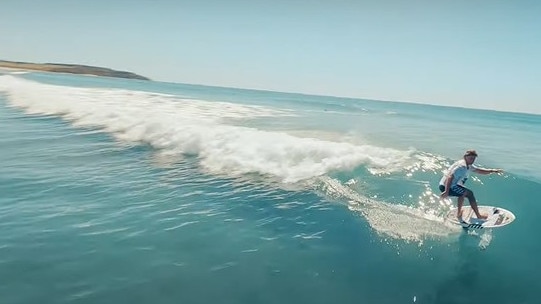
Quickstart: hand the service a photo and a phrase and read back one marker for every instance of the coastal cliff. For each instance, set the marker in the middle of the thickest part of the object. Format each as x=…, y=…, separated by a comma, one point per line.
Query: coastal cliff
x=70, y=68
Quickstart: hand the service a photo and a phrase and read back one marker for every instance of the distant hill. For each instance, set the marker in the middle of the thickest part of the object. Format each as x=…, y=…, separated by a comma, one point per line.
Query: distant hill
x=70, y=68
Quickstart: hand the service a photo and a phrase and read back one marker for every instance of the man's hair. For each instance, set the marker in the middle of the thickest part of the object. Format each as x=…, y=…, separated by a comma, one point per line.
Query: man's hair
x=470, y=152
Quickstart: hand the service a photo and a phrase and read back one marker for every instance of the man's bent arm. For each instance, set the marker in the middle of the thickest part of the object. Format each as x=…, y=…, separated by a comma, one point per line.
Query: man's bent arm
x=448, y=183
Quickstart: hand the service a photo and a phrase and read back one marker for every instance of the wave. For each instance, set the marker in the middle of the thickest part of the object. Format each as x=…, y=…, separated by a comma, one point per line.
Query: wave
x=210, y=130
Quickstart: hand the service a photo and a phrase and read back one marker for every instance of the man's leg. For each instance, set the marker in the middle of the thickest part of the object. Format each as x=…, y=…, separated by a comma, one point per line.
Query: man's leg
x=460, y=203
x=460, y=193
x=473, y=204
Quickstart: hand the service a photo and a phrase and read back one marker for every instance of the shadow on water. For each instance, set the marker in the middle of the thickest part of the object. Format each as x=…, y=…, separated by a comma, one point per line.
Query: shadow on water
x=475, y=278
x=462, y=285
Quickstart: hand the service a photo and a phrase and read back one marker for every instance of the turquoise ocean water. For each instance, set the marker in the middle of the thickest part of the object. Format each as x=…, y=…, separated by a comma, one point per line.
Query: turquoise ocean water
x=122, y=191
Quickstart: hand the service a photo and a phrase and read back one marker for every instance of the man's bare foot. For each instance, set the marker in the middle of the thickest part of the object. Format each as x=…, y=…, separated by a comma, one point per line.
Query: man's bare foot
x=482, y=216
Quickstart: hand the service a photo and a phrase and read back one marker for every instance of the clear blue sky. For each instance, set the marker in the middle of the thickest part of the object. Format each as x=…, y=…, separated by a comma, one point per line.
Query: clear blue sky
x=472, y=53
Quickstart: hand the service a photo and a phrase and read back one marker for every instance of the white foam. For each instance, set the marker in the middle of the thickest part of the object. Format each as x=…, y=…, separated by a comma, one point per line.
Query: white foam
x=207, y=129
x=396, y=221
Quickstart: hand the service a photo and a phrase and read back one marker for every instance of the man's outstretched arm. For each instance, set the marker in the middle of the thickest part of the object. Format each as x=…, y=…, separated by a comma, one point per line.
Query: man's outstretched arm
x=487, y=171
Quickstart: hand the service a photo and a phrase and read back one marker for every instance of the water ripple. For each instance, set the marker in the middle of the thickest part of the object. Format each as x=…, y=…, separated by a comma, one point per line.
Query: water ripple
x=181, y=225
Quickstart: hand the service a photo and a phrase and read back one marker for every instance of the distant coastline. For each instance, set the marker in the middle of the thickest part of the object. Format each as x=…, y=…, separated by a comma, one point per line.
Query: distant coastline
x=70, y=68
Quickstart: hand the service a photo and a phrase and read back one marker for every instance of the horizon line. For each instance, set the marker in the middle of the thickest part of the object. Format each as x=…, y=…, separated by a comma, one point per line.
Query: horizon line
x=410, y=102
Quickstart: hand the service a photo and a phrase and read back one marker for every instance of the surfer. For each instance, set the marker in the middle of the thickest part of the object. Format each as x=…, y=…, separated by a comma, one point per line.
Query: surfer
x=452, y=182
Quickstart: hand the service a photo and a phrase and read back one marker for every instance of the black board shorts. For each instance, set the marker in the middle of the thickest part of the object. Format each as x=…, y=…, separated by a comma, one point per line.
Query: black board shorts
x=455, y=190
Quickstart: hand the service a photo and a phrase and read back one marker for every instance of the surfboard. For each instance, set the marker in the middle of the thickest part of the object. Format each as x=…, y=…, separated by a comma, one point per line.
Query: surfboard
x=497, y=217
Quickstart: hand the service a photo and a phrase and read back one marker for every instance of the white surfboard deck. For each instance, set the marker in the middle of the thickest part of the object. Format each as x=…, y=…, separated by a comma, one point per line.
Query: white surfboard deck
x=497, y=217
